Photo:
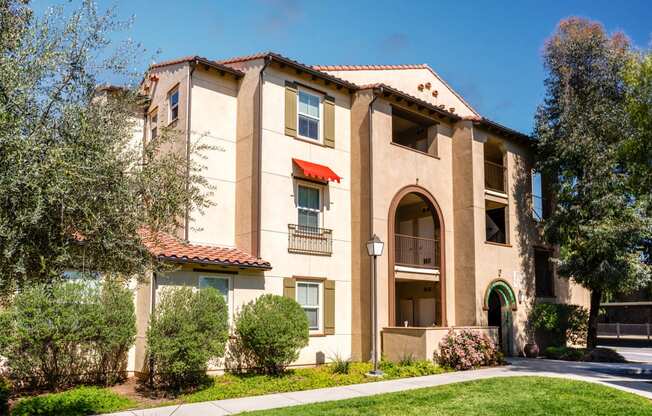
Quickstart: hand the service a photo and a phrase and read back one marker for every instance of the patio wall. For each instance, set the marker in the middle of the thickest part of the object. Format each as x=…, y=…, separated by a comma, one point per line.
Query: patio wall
x=422, y=343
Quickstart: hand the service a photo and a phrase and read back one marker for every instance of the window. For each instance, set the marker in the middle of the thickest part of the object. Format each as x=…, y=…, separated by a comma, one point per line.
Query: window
x=496, y=222
x=219, y=283
x=309, y=115
x=537, y=196
x=174, y=104
x=414, y=131
x=543, y=275
x=309, y=297
x=153, y=125
x=309, y=207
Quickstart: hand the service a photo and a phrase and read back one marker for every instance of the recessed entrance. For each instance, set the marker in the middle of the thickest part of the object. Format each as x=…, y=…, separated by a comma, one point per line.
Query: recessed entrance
x=416, y=273
x=499, y=303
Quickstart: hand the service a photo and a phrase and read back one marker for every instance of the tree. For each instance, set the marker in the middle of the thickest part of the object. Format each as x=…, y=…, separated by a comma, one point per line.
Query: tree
x=76, y=185
x=582, y=129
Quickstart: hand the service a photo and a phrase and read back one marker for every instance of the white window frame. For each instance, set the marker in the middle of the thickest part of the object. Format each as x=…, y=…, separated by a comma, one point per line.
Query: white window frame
x=172, y=92
x=535, y=195
x=319, y=119
x=319, y=307
x=319, y=204
x=229, y=279
x=152, y=125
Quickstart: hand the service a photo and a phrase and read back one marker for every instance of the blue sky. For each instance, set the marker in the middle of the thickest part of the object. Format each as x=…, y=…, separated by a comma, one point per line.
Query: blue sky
x=488, y=51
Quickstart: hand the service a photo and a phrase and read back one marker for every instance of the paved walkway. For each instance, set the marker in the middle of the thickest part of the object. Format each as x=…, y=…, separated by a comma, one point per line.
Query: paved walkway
x=627, y=377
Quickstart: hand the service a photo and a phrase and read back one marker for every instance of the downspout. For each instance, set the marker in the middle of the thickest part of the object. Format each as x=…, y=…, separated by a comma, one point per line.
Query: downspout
x=191, y=70
x=259, y=161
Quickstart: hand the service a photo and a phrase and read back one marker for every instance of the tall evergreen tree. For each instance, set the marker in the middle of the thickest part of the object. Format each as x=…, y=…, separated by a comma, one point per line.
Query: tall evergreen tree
x=76, y=185
x=582, y=129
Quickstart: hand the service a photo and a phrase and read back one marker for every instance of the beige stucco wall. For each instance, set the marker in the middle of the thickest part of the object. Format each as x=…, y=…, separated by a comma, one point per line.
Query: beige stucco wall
x=213, y=123
x=408, y=80
x=278, y=206
x=396, y=167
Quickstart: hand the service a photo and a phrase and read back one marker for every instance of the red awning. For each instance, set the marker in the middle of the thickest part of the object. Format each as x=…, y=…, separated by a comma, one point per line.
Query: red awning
x=316, y=171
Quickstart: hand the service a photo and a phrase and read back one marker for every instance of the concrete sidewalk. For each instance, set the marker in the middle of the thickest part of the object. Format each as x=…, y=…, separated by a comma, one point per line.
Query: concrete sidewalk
x=626, y=377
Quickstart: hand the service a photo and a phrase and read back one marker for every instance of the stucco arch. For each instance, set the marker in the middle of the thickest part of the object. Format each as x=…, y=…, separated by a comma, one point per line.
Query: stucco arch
x=504, y=290
x=427, y=196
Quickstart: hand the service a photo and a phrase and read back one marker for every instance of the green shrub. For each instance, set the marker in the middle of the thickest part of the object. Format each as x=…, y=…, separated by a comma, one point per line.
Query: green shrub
x=5, y=393
x=68, y=334
x=565, y=353
x=187, y=330
x=78, y=402
x=273, y=328
x=563, y=323
x=465, y=350
x=340, y=365
x=604, y=355
x=414, y=368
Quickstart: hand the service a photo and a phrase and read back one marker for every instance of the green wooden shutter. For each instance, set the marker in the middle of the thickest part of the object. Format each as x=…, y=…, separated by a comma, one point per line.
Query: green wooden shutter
x=290, y=109
x=289, y=288
x=329, y=307
x=329, y=121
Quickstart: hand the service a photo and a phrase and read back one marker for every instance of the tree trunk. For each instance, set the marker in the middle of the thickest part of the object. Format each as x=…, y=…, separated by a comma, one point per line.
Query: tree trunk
x=592, y=333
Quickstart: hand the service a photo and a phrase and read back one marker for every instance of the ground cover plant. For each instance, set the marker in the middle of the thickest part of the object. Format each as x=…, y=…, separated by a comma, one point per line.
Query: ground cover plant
x=80, y=401
x=240, y=385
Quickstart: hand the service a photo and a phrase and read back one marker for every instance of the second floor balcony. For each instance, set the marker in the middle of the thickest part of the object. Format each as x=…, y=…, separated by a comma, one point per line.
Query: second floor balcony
x=310, y=240
x=418, y=252
x=494, y=177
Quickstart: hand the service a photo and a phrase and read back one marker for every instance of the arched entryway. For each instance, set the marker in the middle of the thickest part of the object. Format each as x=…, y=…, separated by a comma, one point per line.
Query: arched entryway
x=499, y=303
x=417, y=283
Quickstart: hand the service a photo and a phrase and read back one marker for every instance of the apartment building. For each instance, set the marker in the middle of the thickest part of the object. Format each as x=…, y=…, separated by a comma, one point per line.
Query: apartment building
x=308, y=162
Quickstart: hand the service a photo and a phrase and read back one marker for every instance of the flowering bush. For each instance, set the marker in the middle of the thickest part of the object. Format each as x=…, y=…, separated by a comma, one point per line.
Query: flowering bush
x=464, y=350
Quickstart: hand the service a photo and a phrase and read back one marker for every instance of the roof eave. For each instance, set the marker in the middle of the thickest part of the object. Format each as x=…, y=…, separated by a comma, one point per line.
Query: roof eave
x=311, y=71
x=386, y=90
x=181, y=260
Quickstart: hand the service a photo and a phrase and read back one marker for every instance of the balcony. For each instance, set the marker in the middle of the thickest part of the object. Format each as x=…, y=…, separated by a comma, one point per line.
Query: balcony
x=494, y=177
x=310, y=240
x=416, y=252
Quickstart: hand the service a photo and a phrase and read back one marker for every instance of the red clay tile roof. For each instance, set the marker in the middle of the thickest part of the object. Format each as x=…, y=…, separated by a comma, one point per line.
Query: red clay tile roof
x=292, y=63
x=199, y=59
x=492, y=125
x=368, y=67
x=167, y=247
x=391, y=90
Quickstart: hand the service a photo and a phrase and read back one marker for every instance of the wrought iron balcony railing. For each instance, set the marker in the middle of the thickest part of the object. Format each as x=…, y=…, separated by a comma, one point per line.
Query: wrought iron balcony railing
x=416, y=251
x=310, y=240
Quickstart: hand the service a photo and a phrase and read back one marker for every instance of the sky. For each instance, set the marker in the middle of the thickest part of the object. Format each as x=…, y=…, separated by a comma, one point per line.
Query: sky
x=489, y=51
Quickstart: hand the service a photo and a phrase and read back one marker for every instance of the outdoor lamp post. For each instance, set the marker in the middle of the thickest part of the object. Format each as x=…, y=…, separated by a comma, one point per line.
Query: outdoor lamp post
x=374, y=248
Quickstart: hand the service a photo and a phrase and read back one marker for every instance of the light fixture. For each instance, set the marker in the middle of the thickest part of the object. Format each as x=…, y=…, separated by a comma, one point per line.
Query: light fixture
x=375, y=246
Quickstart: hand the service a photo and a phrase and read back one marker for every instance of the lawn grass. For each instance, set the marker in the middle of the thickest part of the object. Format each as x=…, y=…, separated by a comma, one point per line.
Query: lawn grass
x=230, y=386
x=530, y=396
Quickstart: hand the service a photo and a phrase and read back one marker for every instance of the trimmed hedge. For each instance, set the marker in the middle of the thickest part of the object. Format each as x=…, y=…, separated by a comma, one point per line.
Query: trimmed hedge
x=272, y=329
x=188, y=329
x=68, y=334
x=81, y=401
